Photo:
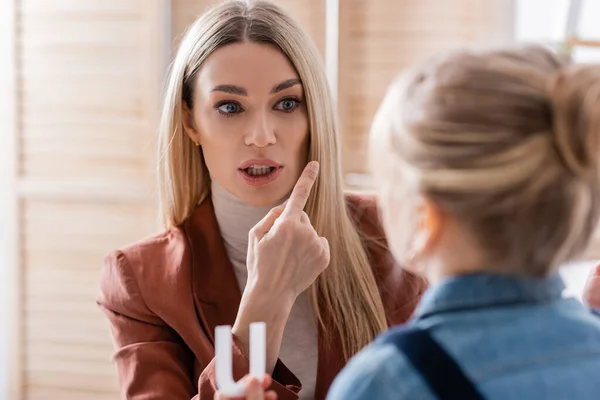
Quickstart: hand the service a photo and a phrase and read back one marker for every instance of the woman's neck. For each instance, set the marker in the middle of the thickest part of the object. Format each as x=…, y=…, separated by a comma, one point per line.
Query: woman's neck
x=235, y=218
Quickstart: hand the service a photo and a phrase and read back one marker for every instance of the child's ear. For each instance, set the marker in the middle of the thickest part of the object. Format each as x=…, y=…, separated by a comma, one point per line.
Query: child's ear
x=428, y=226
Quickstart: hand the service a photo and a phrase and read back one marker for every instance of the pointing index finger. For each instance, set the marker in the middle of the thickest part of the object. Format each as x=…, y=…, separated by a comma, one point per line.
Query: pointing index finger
x=301, y=191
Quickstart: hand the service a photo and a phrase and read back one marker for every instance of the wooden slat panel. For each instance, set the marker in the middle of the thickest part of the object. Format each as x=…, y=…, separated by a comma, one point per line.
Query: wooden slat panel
x=380, y=38
x=68, y=341
x=70, y=351
x=89, y=80
x=311, y=15
x=37, y=393
x=84, y=109
x=59, y=291
x=59, y=227
x=93, y=376
x=183, y=14
x=44, y=322
x=65, y=262
x=98, y=130
x=63, y=337
x=56, y=378
x=79, y=8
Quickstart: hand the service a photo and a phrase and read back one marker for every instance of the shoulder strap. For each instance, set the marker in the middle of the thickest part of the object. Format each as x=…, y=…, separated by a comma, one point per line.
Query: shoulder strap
x=442, y=374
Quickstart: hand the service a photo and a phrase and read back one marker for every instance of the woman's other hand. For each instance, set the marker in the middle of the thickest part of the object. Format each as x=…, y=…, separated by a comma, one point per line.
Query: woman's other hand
x=255, y=390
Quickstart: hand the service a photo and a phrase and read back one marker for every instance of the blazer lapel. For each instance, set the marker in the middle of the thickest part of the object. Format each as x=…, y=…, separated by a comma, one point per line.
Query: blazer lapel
x=216, y=292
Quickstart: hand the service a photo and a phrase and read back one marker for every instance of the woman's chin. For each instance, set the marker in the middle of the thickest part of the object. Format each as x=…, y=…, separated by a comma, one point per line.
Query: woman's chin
x=262, y=196
x=263, y=200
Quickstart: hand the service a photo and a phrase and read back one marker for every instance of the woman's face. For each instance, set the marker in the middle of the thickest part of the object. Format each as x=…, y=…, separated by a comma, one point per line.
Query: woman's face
x=249, y=117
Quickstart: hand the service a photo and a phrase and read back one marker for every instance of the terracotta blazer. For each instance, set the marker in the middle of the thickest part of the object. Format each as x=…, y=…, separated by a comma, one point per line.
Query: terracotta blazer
x=165, y=295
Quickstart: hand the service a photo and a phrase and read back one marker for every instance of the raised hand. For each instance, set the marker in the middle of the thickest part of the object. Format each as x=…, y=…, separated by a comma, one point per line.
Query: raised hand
x=285, y=256
x=285, y=253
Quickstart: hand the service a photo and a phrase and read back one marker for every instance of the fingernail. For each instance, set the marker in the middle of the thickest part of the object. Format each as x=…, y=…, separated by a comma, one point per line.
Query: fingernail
x=314, y=166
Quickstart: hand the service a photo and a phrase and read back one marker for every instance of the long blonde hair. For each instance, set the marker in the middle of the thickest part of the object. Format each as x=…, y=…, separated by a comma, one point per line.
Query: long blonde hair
x=507, y=141
x=347, y=289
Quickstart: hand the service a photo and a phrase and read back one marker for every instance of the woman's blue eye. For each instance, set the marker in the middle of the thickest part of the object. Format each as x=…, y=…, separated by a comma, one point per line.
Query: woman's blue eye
x=229, y=108
x=287, y=105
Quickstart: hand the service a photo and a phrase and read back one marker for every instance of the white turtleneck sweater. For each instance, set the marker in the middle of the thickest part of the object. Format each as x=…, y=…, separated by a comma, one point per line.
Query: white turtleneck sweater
x=299, y=347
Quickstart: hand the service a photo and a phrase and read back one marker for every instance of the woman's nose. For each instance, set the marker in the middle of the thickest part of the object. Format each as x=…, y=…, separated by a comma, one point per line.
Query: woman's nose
x=261, y=132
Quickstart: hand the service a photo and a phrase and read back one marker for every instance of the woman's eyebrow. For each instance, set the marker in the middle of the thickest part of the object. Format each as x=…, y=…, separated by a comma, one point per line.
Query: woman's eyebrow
x=233, y=89
x=285, y=84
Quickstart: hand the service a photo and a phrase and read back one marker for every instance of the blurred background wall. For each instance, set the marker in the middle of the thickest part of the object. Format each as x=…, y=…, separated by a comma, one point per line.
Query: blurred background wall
x=80, y=88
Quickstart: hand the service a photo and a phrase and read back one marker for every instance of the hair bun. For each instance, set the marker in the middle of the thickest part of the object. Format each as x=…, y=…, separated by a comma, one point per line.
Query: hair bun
x=574, y=94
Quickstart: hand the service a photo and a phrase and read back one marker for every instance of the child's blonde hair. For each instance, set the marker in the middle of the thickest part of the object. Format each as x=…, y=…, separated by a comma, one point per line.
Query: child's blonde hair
x=507, y=141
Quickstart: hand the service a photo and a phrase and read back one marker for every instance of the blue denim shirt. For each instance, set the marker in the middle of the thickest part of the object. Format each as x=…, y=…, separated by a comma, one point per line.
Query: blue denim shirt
x=515, y=338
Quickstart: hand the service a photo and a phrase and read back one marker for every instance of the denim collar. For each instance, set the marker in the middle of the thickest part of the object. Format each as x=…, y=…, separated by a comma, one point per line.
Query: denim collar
x=474, y=291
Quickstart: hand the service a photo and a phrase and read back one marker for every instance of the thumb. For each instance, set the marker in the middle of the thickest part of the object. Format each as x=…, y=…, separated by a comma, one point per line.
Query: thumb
x=264, y=225
x=254, y=390
x=266, y=382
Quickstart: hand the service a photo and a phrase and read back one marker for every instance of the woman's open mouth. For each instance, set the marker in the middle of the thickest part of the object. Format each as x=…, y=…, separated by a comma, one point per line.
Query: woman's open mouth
x=259, y=170
x=259, y=174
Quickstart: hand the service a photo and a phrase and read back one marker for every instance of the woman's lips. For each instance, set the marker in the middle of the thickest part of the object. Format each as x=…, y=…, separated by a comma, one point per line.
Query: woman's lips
x=254, y=177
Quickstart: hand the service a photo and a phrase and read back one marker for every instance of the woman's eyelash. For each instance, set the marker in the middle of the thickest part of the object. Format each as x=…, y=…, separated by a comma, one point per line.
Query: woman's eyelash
x=295, y=100
x=228, y=108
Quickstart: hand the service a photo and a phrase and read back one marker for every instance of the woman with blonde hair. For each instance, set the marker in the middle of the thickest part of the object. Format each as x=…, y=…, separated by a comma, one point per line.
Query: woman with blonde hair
x=489, y=179
x=247, y=109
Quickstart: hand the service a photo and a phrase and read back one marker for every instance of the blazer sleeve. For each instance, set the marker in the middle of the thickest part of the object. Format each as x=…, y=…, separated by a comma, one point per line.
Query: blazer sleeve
x=152, y=360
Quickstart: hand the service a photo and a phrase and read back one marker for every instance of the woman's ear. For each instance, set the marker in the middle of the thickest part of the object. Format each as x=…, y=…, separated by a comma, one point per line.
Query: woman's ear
x=189, y=126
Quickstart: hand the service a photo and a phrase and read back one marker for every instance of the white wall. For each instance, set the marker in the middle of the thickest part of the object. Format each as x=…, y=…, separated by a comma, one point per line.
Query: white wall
x=6, y=173
x=5, y=168
x=545, y=21
x=4, y=300
x=541, y=20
